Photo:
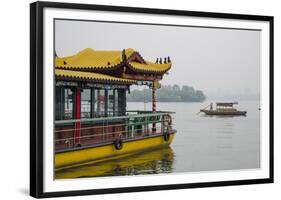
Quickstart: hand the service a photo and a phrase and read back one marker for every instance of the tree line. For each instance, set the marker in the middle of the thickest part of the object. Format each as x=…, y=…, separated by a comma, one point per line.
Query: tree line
x=168, y=93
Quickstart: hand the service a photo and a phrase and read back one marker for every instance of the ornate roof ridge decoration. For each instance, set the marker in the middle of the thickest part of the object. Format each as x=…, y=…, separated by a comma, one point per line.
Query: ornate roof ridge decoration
x=134, y=55
x=98, y=61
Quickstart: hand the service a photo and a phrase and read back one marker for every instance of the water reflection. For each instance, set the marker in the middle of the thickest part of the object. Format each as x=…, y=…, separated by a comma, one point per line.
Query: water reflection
x=224, y=133
x=152, y=162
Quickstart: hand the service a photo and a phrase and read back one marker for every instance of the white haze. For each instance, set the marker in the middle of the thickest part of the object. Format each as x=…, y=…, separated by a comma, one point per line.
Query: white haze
x=223, y=63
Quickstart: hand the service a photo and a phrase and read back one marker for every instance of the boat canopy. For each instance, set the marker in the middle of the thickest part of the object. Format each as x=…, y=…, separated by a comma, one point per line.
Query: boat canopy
x=226, y=104
x=93, y=83
x=109, y=61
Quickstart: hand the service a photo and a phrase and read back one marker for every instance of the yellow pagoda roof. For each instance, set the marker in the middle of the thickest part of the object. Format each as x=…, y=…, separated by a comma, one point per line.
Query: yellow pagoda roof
x=91, y=60
x=151, y=67
x=91, y=76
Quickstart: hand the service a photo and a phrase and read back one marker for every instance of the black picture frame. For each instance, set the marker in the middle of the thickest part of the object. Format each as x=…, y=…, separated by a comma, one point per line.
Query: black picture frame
x=37, y=101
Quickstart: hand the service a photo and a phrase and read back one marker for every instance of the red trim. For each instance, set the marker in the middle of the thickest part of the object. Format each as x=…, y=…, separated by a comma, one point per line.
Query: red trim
x=77, y=114
x=141, y=77
x=153, y=100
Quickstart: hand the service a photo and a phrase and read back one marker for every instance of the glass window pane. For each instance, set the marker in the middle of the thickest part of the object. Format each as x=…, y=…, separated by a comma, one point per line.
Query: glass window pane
x=116, y=103
x=68, y=106
x=121, y=102
x=110, y=102
x=100, y=104
x=86, y=103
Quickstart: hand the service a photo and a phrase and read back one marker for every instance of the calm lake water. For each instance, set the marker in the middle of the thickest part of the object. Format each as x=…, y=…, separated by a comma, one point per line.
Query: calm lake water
x=202, y=143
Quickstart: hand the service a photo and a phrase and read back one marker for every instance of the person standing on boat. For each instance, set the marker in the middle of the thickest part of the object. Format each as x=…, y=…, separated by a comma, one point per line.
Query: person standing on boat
x=211, y=106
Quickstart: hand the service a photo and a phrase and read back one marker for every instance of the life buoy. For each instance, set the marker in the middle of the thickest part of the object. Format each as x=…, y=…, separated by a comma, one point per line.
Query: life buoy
x=118, y=144
x=167, y=136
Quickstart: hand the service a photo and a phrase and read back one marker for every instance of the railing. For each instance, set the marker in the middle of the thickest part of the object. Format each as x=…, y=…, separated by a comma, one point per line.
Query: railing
x=71, y=134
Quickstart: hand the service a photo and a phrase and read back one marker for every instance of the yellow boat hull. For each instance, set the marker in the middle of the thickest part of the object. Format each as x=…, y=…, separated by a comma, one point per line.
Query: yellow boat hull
x=153, y=161
x=102, y=153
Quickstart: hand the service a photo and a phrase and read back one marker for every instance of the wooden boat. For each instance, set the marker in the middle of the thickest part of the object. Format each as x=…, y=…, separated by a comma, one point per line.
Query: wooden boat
x=223, y=108
x=92, y=123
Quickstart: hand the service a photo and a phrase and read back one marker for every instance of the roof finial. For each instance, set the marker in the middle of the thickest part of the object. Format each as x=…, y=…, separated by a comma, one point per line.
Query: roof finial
x=169, y=60
x=165, y=60
x=156, y=61
x=124, y=57
x=160, y=61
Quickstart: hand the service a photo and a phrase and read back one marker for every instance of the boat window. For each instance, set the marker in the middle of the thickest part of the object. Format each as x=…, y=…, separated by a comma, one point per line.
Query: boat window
x=68, y=105
x=59, y=103
x=100, y=103
x=110, y=103
x=94, y=103
x=115, y=110
x=107, y=103
x=121, y=102
x=86, y=103
x=64, y=103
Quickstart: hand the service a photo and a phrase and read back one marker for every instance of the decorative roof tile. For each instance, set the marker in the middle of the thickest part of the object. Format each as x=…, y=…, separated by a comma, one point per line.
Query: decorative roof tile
x=90, y=76
x=91, y=60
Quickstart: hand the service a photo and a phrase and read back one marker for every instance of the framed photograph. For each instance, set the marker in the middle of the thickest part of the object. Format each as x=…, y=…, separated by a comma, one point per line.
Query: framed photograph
x=126, y=99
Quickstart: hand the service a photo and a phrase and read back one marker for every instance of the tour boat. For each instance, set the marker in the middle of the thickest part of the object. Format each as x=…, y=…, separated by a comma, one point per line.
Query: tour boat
x=92, y=123
x=223, y=108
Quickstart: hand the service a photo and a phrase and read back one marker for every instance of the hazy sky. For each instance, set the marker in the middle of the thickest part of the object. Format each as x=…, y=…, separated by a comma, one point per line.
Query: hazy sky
x=209, y=59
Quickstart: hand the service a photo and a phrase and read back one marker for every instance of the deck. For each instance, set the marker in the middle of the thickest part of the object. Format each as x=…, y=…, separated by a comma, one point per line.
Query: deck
x=99, y=131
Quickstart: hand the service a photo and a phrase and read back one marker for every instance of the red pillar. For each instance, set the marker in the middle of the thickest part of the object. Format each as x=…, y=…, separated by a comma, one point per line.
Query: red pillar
x=153, y=105
x=77, y=114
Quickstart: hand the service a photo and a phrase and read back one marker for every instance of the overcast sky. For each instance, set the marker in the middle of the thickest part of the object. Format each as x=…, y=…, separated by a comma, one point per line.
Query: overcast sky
x=213, y=60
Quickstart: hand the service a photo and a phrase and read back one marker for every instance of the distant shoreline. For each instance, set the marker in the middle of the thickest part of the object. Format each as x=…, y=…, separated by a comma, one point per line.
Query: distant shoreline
x=168, y=93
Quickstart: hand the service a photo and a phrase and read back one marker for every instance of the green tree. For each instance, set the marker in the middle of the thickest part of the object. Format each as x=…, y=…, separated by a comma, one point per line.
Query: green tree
x=168, y=93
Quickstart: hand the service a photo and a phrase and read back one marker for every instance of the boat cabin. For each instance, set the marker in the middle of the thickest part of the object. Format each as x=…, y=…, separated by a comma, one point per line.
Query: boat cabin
x=226, y=106
x=90, y=97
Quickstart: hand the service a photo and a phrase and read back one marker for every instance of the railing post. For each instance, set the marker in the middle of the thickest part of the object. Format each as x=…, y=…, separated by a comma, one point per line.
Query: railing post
x=162, y=124
x=107, y=131
x=146, y=126
x=103, y=130
x=133, y=129
x=127, y=128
